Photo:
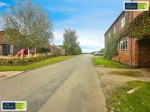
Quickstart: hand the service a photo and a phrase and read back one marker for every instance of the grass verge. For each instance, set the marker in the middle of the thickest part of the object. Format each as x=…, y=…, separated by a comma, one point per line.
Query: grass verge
x=35, y=65
x=127, y=73
x=106, y=62
x=137, y=101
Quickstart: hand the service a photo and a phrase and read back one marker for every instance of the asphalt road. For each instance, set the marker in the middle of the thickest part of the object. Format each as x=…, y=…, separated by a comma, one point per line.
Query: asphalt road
x=68, y=86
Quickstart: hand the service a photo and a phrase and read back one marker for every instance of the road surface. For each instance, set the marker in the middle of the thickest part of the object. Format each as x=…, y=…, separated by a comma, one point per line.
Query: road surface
x=68, y=86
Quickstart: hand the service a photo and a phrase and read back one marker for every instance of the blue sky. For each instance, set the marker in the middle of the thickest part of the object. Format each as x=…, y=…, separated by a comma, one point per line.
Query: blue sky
x=90, y=18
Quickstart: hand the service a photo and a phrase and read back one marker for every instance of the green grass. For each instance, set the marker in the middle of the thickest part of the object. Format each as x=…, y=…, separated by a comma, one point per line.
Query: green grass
x=138, y=101
x=128, y=73
x=106, y=62
x=35, y=65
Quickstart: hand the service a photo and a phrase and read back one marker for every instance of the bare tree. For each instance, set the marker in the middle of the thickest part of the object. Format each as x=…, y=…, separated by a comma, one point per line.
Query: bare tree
x=27, y=25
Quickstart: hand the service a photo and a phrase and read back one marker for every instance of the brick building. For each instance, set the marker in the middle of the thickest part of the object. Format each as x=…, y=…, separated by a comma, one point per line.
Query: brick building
x=130, y=51
x=4, y=47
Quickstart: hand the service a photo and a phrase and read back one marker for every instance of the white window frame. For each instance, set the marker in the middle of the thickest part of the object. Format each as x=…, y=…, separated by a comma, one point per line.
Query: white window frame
x=123, y=21
x=123, y=44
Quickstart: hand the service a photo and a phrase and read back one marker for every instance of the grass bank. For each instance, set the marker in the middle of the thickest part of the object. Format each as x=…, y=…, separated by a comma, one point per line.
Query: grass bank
x=106, y=62
x=134, y=97
x=35, y=65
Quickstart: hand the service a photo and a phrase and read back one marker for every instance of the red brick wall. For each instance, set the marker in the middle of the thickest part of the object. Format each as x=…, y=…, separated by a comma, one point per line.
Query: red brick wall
x=2, y=34
x=127, y=16
x=124, y=56
x=140, y=53
x=144, y=53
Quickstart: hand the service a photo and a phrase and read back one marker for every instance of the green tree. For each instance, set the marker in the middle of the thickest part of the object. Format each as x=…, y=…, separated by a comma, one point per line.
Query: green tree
x=70, y=43
x=78, y=50
x=27, y=25
x=103, y=50
x=66, y=47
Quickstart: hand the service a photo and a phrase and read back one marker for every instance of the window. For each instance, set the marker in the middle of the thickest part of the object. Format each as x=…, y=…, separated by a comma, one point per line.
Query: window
x=114, y=29
x=122, y=22
x=123, y=44
x=6, y=50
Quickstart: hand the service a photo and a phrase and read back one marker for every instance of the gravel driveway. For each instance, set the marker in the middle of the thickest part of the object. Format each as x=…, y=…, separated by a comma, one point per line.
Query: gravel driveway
x=110, y=82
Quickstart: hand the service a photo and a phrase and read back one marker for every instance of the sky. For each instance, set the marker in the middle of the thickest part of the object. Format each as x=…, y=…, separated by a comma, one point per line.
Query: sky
x=90, y=18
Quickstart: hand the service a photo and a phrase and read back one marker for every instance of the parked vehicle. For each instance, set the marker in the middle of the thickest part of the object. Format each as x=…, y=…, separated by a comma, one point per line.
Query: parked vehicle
x=98, y=54
x=24, y=51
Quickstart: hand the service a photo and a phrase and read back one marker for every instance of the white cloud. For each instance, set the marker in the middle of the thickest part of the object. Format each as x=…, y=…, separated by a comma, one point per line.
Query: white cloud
x=2, y=4
x=89, y=42
x=58, y=35
x=62, y=9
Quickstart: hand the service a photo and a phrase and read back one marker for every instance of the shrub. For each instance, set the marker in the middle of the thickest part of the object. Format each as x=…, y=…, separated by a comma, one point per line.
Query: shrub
x=33, y=59
x=43, y=50
x=3, y=62
x=26, y=61
x=47, y=55
x=17, y=61
x=10, y=62
x=39, y=57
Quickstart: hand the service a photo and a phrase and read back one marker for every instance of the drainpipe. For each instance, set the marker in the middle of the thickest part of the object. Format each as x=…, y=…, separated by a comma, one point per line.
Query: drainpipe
x=131, y=51
x=131, y=42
